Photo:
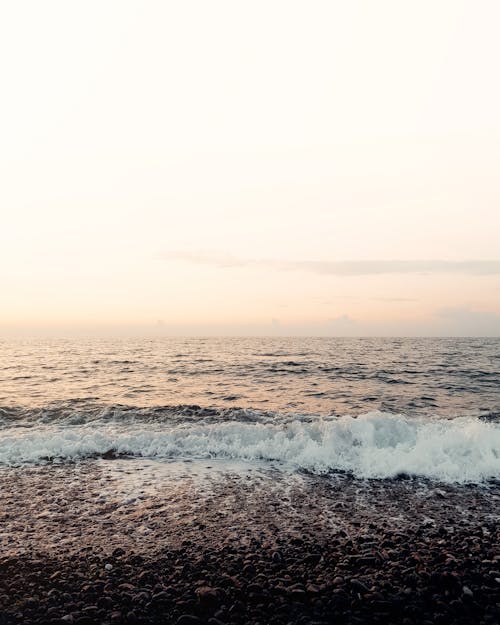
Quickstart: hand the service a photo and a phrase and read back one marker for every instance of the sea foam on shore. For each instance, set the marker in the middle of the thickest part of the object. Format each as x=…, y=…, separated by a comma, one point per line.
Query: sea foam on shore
x=374, y=445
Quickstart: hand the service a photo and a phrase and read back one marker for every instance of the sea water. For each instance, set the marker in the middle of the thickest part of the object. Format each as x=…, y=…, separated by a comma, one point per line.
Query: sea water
x=372, y=408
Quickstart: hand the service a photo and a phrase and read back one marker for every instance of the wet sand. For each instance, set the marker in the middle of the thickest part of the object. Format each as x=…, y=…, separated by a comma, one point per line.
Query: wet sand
x=132, y=541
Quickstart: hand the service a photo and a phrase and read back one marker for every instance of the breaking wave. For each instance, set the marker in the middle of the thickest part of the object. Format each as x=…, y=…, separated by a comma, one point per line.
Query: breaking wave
x=373, y=445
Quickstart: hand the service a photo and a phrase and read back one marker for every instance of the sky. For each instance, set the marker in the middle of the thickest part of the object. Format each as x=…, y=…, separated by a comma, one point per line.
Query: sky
x=237, y=168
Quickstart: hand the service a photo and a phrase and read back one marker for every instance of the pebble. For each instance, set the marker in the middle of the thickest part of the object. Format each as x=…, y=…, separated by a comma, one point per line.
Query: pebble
x=206, y=594
x=380, y=569
x=277, y=557
x=188, y=619
x=359, y=585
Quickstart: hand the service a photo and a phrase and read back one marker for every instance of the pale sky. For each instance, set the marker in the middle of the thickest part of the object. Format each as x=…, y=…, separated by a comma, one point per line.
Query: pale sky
x=273, y=167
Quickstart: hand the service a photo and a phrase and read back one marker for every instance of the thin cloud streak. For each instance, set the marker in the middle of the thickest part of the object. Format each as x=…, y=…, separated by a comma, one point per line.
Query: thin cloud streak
x=443, y=322
x=345, y=267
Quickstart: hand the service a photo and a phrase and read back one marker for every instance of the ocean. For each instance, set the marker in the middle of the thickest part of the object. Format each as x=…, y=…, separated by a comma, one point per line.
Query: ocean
x=249, y=480
x=372, y=407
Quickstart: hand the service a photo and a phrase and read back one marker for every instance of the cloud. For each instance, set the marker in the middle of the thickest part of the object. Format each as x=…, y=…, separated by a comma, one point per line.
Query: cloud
x=377, y=267
x=461, y=322
x=206, y=258
x=394, y=299
x=341, y=323
x=470, y=322
x=344, y=267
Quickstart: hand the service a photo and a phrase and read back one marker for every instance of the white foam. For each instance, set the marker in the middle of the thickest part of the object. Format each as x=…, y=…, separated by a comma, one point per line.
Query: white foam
x=374, y=445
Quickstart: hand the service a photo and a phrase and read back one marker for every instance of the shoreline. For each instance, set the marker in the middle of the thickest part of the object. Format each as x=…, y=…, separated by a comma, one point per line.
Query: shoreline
x=119, y=542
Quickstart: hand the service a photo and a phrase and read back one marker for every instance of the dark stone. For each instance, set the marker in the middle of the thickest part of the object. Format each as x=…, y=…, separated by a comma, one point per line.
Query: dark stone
x=118, y=552
x=207, y=594
x=188, y=619
x=360, y=586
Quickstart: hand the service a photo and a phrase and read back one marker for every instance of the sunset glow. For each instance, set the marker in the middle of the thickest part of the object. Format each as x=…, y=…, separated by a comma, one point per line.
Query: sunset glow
x=210, y=168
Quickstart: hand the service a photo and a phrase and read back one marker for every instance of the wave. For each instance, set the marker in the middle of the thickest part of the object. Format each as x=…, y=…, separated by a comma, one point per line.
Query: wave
x=373, y=445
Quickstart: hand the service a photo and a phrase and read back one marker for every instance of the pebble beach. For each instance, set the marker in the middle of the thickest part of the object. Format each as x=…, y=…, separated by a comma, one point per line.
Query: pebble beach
x=192, y=545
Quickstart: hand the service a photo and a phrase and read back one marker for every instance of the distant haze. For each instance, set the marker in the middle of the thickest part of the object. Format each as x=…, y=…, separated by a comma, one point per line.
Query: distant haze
x=261, y=168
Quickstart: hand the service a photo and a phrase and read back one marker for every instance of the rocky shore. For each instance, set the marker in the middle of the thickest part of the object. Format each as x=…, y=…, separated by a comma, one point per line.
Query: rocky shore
x=78, y=546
